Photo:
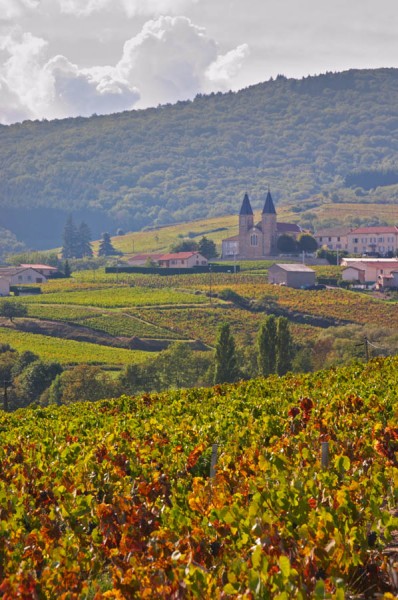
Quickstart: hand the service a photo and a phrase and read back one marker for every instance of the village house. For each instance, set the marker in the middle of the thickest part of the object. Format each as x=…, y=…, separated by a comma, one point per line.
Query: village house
x=291, y=275
x=381, y=239
x=374, y=240
x=257, y=240
x=334, y=238
x=368, y=269
x=45, y=270
x=21, y=275
x=184, y=260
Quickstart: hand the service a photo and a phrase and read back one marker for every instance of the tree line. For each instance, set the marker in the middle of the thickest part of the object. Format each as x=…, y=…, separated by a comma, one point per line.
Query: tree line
x=28, y=380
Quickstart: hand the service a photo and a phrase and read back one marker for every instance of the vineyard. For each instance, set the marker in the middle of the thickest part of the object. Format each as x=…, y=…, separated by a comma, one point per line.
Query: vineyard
x=206, y=493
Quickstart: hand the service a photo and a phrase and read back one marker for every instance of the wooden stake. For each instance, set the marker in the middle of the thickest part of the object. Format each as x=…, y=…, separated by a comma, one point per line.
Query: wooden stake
x=325, y=455
x=213, y=462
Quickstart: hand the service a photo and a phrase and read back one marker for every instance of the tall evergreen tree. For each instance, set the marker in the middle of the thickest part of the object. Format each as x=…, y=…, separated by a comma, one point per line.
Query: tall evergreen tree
x=105, y=246
x=83, y=245
x=69, y=239
x=226, y=364
x=267, y=346
x=284, y=350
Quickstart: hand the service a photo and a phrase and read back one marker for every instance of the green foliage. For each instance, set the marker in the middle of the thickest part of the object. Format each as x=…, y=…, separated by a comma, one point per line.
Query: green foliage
x=284, y=346
x=225, y=360
x=207, y=248
x=105, y=246
x=12, y=309
x=185, y=246
x=33, y=381
x=267, y=346
x=307, y=243
x=287, y=244
x=114, y=500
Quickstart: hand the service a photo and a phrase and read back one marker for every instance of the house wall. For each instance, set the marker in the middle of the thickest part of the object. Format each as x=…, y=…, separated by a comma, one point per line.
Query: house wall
x=4, y=287
x=353, y=274
x=333, y=242
x=382, y=243
x=26, y=277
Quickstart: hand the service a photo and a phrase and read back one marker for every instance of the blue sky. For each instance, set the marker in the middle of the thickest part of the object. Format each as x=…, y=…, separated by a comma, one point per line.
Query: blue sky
x=61, y=58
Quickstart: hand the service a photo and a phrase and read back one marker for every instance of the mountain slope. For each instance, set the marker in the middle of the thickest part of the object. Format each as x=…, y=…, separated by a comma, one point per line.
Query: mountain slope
x=195, y=159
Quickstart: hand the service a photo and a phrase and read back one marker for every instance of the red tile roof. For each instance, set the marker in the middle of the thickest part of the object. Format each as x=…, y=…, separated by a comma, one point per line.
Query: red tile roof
x=37, y=266
x=178, y=255
x=375, y=230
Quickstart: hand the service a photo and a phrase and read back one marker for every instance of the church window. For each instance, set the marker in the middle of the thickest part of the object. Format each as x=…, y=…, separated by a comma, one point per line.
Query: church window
x=254, y=239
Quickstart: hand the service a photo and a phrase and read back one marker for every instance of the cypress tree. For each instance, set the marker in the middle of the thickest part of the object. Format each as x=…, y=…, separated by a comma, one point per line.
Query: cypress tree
x=84, y=248
x=267, y=346
x=69, y=245
x=226, y=364
x=284, y=346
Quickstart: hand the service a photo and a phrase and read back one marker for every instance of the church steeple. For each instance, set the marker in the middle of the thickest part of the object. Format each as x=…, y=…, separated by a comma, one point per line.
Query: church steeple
x=246, y=208
x=269, y=208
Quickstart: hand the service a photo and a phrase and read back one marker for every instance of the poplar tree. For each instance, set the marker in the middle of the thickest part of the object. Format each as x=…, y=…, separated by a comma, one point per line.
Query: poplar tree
x=226, y=364
x=266, y=345
x=284, y=346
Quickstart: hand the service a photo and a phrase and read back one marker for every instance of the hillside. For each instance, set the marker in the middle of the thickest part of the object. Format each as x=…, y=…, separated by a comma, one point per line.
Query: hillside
x=327, y=137
x=117, y=499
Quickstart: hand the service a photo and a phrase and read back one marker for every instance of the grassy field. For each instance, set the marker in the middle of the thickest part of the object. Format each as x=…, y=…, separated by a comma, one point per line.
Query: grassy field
x=69, y=352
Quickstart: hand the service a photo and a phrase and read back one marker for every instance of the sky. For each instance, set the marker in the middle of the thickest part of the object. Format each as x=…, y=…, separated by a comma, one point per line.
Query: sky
x=68, y=58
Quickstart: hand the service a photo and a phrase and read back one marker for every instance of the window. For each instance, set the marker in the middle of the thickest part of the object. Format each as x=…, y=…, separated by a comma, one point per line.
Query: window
x=29, y=278
x=329, y=239
x=355, y=241
x=253, y=239
x=39, y=280
x=19, y=277
x=338, y=238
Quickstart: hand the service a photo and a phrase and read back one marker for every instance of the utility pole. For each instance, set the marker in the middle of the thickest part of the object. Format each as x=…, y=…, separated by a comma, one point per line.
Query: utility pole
x=210, y=283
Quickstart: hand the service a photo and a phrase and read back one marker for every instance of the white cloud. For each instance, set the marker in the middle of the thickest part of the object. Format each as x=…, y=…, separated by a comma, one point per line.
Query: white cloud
x=169, y=60
x=11, y=9
x=130, y=7
x=226, y=66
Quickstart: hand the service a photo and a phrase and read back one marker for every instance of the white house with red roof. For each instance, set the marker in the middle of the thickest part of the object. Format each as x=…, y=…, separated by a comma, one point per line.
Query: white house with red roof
x=183, y=260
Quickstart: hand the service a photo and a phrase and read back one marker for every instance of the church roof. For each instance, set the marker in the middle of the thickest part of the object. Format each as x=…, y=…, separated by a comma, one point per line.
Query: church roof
x=269, y=208
x=246, y=208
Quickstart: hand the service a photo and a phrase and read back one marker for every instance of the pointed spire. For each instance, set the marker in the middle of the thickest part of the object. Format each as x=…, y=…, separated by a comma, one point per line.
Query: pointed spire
x=246, y=208
x=269, y=208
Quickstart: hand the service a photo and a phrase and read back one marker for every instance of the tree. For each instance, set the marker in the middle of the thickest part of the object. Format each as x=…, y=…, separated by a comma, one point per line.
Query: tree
x=185, y=246
x=307, y=243
x=33, y=381
x=286, y=243
x=83, y=245
x=69, y=245
x=284, y=346
x=226, y=365
x=207, y=248
x=84, y=382
x=105, y=246
x=67, y=269
x=266, y=345
x=11, y=310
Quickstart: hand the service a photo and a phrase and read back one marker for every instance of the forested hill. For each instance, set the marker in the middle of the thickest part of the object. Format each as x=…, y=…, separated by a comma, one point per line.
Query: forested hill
x=321, y=134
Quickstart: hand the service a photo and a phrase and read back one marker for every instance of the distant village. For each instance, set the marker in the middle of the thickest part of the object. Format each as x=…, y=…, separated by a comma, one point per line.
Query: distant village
x=377, y=247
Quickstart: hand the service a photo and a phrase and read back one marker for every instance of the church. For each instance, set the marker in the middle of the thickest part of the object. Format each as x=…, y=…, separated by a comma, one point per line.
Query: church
x=258, y=240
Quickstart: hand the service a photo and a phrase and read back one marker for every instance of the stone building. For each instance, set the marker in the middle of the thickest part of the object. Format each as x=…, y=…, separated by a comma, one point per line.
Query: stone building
x=257, y=240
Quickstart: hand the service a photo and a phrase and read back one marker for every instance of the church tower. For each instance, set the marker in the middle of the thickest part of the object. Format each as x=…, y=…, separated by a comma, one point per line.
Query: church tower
x=246, y=217
x=268, y=222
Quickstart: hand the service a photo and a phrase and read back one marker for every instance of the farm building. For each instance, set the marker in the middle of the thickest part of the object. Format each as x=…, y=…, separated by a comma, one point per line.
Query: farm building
x=141, y=260
x=45, y=270
x=21, y=275
x=292, y=275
